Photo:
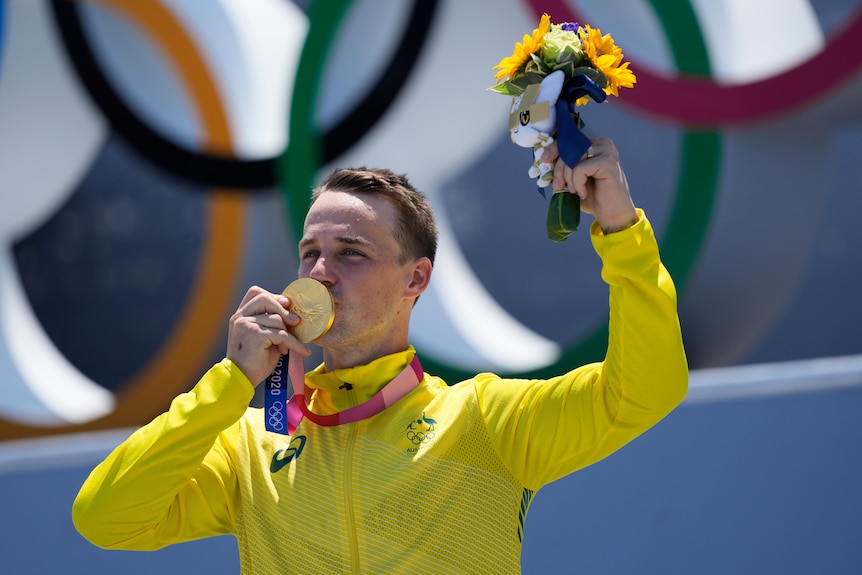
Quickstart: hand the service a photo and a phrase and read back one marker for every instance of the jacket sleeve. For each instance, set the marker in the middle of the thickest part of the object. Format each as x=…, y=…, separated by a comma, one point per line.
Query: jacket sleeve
x=545, y=429
x=173, y=479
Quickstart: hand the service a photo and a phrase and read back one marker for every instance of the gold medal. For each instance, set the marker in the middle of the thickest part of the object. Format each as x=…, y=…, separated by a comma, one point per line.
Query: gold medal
x=312, y=302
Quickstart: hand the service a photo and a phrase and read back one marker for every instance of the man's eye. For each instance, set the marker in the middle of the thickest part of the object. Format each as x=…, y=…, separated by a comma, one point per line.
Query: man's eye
x=309, y=254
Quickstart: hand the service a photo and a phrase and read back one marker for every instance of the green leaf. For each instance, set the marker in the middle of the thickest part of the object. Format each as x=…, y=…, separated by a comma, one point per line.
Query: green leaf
x=570, y=54
x=507, y=89
x=564, y=215
x=568, y=69
x=540, y=65
x=521, y=83
x=532, y=69
x=534, y=77
x=595, y=75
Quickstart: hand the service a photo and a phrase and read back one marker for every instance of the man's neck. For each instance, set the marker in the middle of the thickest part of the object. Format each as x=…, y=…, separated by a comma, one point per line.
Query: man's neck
x=334, y=358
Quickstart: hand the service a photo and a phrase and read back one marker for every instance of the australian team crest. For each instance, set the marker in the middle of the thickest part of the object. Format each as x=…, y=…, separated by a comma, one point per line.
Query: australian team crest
x=420, y=432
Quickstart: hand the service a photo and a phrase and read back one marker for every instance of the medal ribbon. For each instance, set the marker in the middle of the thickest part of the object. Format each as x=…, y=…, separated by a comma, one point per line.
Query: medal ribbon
x=283, y=416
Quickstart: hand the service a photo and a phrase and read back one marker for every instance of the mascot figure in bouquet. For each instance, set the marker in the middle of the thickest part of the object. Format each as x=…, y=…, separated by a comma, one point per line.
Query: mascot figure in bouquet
x=532, y=121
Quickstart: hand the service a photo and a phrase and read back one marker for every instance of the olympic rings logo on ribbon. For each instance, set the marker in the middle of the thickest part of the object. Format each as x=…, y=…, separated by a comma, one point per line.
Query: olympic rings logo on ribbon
x=275, y=413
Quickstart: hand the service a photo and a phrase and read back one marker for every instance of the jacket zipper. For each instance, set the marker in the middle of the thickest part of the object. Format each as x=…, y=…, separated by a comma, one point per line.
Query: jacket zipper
x=348, y=493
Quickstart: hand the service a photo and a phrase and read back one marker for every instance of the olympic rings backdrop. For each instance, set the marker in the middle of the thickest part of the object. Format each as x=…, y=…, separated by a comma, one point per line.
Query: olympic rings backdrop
x=156, y=159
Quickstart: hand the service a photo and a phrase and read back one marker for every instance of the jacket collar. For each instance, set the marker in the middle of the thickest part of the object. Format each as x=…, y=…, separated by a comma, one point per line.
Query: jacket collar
x=342, y=388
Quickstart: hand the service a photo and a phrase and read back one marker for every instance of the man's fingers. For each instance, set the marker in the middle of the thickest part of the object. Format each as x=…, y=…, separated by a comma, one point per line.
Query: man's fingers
x=260, y=331
x=269, y=321
x=253, y=292
x=562, y=174
x=266, y=303
x=285, y=342
x=269, y=331
x=551, y=152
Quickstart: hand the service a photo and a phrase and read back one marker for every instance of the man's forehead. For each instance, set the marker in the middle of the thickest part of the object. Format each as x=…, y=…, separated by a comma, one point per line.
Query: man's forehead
x=350, y=207
x=349, y=217
x=347, y=198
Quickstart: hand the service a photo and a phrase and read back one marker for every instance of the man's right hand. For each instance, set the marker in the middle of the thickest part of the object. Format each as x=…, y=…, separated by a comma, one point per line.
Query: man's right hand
x=259, y=334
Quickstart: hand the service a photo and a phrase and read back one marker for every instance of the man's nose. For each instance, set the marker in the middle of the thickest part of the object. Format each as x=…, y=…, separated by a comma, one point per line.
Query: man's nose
x=320, y=272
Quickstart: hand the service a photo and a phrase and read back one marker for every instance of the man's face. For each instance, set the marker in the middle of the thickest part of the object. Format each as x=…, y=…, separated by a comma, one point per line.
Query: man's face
x=348, y=245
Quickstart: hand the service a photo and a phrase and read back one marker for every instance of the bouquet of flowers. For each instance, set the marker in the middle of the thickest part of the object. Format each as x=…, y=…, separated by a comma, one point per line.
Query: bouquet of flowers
x=550, y=73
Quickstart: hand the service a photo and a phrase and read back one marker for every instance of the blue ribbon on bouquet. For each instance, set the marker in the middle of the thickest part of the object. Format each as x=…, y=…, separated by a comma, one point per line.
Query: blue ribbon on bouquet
x=564, y=209
x=571, y=142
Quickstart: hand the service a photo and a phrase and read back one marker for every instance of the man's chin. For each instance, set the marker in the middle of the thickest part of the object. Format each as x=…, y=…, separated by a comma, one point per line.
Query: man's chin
x=328, y=339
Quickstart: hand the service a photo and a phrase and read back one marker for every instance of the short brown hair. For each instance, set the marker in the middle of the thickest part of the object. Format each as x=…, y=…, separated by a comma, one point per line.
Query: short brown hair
x=416, y=228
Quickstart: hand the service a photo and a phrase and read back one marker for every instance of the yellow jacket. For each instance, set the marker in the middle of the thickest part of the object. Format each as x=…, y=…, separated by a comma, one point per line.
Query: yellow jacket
x=440, y=482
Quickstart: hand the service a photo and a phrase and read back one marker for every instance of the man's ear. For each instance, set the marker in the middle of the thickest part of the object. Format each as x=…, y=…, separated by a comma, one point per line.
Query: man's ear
x=420, y=275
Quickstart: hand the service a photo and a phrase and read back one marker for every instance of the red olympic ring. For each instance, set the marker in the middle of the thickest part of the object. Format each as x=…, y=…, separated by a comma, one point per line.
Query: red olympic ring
x=703, y=103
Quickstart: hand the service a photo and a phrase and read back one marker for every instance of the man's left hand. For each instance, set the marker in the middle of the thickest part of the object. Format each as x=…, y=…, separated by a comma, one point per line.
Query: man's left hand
x=599, y=181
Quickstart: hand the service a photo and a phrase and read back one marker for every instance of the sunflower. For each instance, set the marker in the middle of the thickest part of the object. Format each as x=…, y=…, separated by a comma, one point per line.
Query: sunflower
x=508, y=66
x=608, y=58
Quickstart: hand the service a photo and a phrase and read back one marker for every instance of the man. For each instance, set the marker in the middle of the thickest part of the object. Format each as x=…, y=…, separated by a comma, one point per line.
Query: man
x=440, y=480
